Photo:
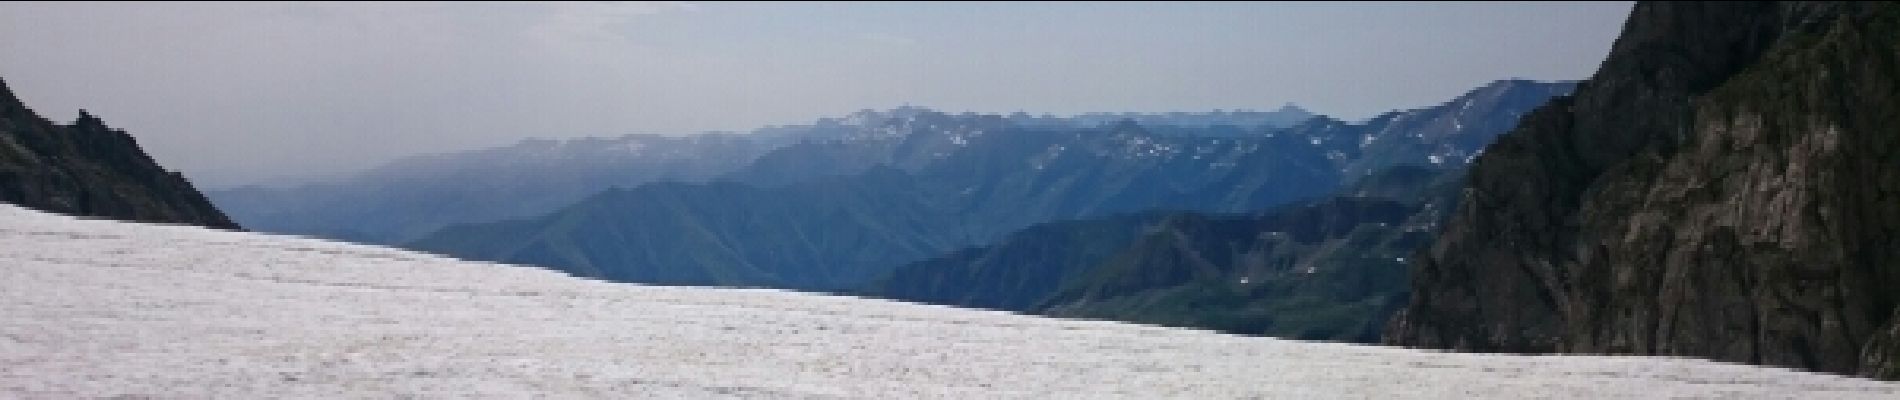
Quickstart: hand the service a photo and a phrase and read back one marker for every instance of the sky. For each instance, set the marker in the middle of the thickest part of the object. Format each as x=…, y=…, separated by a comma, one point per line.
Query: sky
x=271, y=93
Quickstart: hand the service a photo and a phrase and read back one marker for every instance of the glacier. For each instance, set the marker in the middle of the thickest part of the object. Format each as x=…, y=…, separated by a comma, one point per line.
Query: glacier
x=96, y=308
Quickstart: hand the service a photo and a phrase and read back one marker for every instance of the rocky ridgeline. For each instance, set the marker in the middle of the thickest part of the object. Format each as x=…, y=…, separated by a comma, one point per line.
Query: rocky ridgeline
x=90, y=169
x=1723, y=187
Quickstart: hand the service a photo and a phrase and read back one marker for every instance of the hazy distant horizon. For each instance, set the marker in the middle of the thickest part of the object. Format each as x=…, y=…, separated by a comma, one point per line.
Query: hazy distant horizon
x=294, y=180
x=260, y=93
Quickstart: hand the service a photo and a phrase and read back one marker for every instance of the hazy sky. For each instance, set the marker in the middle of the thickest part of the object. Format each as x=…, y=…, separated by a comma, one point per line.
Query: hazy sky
x=240, y=93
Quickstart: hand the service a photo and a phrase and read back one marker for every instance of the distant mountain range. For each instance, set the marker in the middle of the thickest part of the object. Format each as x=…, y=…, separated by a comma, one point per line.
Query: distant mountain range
x=409, y=198
x=832, y=232
x=1330, y=268
x=415, y=196
x=834, y=213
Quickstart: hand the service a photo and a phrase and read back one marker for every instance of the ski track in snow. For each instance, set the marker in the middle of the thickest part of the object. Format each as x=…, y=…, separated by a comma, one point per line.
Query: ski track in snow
x=93, y=308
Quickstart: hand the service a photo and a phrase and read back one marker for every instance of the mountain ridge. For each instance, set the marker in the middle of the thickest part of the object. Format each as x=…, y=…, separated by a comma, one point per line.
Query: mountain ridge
x=938, y=182
x=1323, y=269
x=88, y=168
x=1709, y=192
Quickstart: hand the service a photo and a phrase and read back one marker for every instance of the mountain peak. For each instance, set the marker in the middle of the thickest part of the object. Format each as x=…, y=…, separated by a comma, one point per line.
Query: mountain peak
x=8, y=103
x=86, y=169
x=87, y=120
x=1294, y=113
x=6, y=94
x=1292, y=108
x=907, y=111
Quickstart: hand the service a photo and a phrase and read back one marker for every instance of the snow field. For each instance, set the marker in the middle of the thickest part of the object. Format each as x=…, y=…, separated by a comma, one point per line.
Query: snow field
x=92, y=308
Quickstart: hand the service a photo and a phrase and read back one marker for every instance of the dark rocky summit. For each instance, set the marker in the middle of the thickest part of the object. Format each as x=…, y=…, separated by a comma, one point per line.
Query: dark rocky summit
x=90, y=169
x=1724, y=187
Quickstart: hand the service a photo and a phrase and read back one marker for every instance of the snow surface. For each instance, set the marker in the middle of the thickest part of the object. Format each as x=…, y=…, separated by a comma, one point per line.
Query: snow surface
x=92, y=308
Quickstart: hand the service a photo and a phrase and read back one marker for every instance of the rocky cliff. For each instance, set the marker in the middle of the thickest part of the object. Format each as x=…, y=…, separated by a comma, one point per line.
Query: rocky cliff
x=90, y=169
x=1723, y=187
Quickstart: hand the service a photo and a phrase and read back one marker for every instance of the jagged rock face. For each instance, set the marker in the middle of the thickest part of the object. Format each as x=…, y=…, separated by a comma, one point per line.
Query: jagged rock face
x=89, y=169
x=1721, y=188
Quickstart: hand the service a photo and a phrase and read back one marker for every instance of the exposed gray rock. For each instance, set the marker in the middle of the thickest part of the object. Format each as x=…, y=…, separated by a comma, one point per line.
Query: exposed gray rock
x=1721, y=188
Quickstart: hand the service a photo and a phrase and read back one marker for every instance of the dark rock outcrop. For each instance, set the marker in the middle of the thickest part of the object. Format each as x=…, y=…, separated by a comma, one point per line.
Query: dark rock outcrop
x=1880, y=359
x=90, y=169
x=1723, y=187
